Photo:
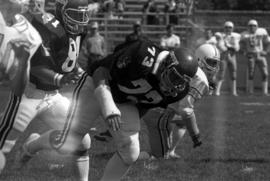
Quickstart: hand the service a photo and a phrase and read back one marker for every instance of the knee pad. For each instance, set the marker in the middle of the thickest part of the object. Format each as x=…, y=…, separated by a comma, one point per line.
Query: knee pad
x=129, y=149
x=65, y=144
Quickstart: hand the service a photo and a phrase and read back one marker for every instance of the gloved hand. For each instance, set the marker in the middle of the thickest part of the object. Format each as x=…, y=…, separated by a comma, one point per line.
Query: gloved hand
x=69, y=78
x=114, y=122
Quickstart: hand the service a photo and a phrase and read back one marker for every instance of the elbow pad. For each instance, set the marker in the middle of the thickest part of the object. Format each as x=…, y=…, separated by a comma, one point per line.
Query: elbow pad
x=105, y=100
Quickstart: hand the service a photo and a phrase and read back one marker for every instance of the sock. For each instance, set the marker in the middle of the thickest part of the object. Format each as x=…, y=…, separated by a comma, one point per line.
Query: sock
x=265, y=87
x=82, y=166
x=234, y=88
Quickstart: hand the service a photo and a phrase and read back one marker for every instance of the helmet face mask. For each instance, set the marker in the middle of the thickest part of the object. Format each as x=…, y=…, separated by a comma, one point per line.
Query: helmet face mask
x=172, y=82
x=209, y=60
x=175, y=76
x=75, y=15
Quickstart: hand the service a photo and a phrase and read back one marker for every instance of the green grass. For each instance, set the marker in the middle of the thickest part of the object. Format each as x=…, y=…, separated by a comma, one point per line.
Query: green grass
x=235, y=147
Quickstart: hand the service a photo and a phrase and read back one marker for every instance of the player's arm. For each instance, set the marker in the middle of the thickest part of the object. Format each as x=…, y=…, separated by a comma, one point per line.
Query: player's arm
x=20, y=77
x=41, y=70
x=110, y=112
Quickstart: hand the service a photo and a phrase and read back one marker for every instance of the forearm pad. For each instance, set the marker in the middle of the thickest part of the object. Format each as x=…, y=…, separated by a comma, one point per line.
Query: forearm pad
x=106, y=102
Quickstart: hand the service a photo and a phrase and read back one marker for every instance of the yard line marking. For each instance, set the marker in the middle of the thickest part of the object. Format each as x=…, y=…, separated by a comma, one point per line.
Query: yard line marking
x=255, y=103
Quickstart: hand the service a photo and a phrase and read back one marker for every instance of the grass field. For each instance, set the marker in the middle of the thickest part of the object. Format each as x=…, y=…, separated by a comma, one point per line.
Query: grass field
x=236, y=145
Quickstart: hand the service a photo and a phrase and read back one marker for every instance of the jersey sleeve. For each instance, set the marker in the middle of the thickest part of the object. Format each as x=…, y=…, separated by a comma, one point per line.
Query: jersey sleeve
x=199, y=85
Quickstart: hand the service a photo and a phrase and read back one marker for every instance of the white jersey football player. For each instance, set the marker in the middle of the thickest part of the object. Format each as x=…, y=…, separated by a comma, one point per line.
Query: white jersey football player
x=228, y=56
x=254, y=44
x=17, y=45
x=209, y=60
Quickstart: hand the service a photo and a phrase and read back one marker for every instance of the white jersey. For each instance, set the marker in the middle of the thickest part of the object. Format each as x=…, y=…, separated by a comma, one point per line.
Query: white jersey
x=232, y=40
x=203, y=40
x=170, y=42
x=22, y=32
x=199, y=87
x=254, y=41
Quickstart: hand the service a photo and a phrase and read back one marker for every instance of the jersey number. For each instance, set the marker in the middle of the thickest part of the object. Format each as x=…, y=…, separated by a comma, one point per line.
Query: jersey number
x=70, y=62
x=142, y=87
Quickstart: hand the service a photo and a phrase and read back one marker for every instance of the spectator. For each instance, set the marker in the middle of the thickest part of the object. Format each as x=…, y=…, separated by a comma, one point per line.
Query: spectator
x=108, y=7
x=231, y=42
x=151, y=10
x=93, y=47
x=119, y=8
x=170, y=41
x=254, y=43
x=181, y=7
x=170, y=8
x=137, y=33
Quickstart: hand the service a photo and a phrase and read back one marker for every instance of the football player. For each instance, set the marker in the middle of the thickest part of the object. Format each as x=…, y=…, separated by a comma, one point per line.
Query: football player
x=254, y=44
x=208, y=57
x=133, y=79
x=231, y=42
x=52, y=66
x=18, y=43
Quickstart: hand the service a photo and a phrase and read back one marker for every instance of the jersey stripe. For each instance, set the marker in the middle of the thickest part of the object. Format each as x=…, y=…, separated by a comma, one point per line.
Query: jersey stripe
x=71, y=112
x=9, y=118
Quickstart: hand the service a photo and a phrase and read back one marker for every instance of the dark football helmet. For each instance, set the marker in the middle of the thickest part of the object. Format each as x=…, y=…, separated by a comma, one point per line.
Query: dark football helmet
x=74, y=14
x=180, y=67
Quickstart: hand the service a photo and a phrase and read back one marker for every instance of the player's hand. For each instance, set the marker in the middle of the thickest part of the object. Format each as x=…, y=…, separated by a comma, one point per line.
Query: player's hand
x=114, y=122
x=21, y=50
x=196, y=141
x=69, y=78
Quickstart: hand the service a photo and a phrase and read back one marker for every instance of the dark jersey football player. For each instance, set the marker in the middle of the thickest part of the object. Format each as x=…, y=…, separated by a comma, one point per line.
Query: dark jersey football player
x=132, y=80
x=52, y=66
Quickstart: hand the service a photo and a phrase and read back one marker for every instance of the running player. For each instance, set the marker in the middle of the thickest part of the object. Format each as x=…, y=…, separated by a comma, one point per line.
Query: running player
x=52, y=66
x=18, y=43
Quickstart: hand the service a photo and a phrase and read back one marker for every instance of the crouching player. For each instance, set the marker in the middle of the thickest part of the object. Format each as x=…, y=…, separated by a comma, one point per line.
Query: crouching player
x=138, y=75
x=209, y=59
x=17, y=45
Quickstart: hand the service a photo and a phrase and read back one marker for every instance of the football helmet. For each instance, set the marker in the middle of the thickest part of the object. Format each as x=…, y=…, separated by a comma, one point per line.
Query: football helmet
x=74, y=14
x=179, y=68
x=208, y=57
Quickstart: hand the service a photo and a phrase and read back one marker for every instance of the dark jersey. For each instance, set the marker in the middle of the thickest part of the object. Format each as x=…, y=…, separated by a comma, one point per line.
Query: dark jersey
x=58, y=52
x=131, y=69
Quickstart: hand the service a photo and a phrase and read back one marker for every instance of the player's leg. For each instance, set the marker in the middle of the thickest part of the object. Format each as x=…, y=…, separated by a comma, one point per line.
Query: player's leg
x=232, y=66
x=20, y=112
x=178, y=133
x=72, y=138
x=2, y=161
x=159, y=131
x=262, y=64
x=251, y=70
x=220, y=75
x=127, y=142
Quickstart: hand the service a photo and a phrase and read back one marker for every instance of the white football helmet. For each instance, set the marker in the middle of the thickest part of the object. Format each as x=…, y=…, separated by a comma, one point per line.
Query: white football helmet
x=208, y=57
